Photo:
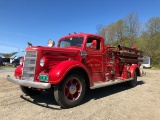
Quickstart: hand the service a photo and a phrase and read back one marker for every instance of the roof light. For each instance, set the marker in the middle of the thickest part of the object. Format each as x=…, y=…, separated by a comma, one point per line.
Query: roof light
x=51, y=43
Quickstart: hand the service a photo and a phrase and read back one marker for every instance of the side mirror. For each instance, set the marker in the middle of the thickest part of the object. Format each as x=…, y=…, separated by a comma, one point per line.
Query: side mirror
x=94, y=43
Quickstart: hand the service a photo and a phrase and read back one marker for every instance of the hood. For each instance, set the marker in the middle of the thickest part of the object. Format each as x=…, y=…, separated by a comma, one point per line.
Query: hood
x=56, y=54
x=56, y=51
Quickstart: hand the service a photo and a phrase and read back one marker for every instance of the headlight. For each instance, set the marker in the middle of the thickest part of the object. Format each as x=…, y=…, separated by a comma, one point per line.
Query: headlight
x=42, y=62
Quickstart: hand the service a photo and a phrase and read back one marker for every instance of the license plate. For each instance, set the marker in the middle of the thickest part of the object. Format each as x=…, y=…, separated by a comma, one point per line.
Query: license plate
x=43, y=78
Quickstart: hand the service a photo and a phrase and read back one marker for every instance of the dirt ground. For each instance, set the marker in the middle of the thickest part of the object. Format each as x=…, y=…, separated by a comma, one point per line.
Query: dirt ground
x=117, y=102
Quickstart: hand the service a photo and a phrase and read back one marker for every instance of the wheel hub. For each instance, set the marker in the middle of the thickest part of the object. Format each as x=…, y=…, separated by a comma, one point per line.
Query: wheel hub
x=72, y=89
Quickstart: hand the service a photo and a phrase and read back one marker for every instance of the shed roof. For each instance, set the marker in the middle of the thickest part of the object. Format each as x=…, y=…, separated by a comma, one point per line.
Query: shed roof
x=2, y=56
x=19, y=54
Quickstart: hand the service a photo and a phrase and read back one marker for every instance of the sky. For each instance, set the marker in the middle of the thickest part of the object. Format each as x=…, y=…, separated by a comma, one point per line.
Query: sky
x=37, y=21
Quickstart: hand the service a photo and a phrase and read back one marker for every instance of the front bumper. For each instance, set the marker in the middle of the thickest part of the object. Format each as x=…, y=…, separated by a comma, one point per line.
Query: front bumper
x=29, y=83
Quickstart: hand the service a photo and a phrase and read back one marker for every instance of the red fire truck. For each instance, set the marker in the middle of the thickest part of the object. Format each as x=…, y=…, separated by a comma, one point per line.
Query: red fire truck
x=80, y=61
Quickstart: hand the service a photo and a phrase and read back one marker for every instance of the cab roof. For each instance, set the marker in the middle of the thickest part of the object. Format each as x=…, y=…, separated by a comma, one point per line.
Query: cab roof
x=81, y=35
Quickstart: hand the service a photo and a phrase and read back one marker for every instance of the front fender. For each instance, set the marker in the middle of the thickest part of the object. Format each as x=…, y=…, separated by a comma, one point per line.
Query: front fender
x=134, y=68
x=59, y=71
x=18, y=71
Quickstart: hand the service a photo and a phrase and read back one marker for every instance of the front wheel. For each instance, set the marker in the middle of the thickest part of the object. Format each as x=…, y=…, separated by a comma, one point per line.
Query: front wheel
x=133, y=82
x=70, y=92
x=29, y=91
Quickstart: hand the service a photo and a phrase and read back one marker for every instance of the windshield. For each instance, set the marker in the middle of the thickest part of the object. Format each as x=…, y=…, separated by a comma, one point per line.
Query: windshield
x=72, y=41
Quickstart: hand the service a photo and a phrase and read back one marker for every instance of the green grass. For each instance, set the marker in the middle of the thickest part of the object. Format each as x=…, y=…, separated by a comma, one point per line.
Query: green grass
x=6, y=66
x=155, y=67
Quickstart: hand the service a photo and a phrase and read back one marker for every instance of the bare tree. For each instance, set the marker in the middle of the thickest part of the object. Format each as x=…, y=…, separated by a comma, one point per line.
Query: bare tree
x=120, y=28
x=153, y=25
x=99, y=28
x=111, y=33
x=132, y=27
x=115, y=33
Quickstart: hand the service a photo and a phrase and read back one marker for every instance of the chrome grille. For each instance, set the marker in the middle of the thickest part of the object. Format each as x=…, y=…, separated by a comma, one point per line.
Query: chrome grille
x=29, y=65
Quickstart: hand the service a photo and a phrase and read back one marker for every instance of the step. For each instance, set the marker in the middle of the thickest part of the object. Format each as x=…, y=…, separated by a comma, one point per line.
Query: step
x=108, y=83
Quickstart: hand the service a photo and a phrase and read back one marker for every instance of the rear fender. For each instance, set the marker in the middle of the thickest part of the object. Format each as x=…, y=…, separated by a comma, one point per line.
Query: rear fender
x=134, y=68
x=59, y=71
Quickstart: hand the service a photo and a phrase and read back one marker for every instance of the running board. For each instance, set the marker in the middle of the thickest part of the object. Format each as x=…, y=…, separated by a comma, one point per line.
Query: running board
x=104, y=84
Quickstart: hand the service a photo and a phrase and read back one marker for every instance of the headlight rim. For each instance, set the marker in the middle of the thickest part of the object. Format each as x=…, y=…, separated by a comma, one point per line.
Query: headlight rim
x=42, y=62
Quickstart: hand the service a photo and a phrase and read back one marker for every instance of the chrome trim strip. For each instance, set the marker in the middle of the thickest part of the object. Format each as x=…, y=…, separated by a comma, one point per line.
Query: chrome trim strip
x=104, y=84
x=29, y=83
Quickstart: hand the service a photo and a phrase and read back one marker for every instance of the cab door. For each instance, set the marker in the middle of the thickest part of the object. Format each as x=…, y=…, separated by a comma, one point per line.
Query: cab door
x=95, y=58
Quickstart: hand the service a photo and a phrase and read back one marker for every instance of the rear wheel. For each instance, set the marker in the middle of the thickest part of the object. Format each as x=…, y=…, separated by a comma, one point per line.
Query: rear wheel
x=70, y=92
x=29, y=91
x=133, y=82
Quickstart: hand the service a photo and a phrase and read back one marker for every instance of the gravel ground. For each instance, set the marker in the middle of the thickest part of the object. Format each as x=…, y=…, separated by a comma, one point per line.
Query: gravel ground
x=117, y=102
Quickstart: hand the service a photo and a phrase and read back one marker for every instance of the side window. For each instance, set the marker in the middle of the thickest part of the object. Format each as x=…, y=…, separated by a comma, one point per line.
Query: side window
x=93, y=44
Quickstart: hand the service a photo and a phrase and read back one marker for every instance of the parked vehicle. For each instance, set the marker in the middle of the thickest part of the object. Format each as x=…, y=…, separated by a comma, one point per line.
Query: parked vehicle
x=6, y=61
x=80, y=61
x=16, y=62
x=1, y=62
x=146, y=62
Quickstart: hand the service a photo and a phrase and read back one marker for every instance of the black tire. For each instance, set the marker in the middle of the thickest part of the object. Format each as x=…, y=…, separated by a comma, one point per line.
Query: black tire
x=70, y=92
x=29, y=91
x=133, y=82
x=14, y=65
